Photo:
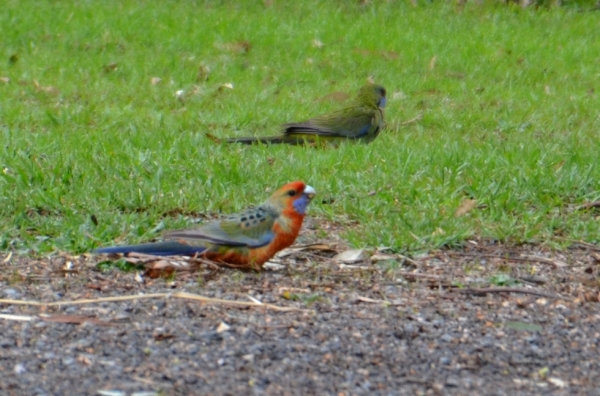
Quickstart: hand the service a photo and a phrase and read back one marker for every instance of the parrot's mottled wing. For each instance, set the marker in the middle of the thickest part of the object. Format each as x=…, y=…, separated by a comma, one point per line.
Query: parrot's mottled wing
x=252, y=229
x=353, y=122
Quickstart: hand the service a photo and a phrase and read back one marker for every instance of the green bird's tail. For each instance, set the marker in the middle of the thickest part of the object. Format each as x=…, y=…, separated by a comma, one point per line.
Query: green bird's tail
x=282, y=139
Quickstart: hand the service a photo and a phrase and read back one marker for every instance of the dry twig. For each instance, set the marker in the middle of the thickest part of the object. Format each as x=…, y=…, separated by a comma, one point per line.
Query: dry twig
x=418, y=118
x=418, y=275
x=486, y=290
x=524, y=259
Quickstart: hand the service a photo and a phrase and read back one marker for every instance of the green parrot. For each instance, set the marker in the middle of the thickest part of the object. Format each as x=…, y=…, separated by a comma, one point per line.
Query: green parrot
x=361, y=122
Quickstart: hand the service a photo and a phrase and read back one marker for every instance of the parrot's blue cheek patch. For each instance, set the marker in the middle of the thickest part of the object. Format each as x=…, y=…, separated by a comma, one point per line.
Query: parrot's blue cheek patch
x=301, y=203
x=382, y=102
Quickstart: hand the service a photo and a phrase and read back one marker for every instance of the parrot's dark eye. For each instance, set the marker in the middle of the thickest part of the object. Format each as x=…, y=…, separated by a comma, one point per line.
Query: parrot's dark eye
x=291, y=193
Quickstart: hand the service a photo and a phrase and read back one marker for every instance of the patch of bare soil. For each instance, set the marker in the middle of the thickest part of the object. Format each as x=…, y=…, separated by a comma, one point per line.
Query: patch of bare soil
x=485, y=319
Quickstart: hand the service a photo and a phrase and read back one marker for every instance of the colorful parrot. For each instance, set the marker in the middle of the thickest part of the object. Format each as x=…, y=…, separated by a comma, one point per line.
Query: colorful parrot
x=246, y=239
x=361, y=121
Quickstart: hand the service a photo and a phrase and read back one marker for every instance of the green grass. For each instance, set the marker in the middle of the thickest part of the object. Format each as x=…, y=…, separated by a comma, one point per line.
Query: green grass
x=92, y=152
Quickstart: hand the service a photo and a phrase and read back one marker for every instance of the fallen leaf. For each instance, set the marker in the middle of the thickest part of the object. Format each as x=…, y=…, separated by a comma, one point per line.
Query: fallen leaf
x=523, y=326
x=557, y=382
x=240, y=47
x=84, y=360
x=456, y=75
x=225, y=86
x=105, y=392
x=273, y=266
x=203, y=73
x=465, y=207
x=430, y=92
x=158, y=273
x=350, y=256
x=522, y=302
x=592, y=296
x=383, y=257
x=399, y=96
x=110, y=67
x=162, y=337
x=317, y=43
x=388, y=55
x=159, y=264
x=438, y=231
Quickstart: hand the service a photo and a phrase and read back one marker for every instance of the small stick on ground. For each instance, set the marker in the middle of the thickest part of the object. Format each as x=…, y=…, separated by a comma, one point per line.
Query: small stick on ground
x=408, y=259
x=585, y=245
x=589, y=205
x=418, y=118
x=526, y=259
x=486, y=290
x=418, y=275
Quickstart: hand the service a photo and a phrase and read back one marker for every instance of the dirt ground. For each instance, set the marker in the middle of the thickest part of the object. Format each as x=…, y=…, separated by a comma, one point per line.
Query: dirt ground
x=381, y=325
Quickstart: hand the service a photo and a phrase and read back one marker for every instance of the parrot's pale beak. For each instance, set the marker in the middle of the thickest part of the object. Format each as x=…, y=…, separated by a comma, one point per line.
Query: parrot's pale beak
x=309, y=192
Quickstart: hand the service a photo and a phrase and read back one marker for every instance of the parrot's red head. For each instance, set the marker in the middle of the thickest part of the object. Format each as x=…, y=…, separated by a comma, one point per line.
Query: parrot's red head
x=294, y=196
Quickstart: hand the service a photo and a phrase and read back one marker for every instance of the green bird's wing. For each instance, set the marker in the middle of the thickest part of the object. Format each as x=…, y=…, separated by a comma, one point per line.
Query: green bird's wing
x=351, y=123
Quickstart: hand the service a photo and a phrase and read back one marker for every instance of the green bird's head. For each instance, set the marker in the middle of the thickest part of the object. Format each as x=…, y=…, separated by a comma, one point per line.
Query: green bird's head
x=372, y=95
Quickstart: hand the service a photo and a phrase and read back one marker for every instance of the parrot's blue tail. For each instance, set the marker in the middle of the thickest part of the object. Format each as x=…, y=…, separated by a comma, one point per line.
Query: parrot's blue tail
x=167, y=248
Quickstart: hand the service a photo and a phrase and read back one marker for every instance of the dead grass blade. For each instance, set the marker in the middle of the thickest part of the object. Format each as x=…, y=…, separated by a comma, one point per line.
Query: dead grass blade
x=20, y=318
x=375, y=301
x=181, y=295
